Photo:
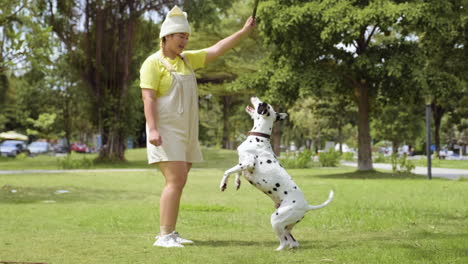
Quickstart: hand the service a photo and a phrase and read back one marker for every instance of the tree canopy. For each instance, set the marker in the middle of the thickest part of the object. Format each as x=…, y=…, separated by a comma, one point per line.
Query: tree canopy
x=70, y=69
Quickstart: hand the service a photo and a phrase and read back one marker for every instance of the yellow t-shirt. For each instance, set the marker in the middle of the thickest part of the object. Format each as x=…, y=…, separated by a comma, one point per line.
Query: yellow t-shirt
x=153, y=74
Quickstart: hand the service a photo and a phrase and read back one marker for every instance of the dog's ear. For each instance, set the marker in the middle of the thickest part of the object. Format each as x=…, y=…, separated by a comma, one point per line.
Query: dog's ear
x=281, y=116
x=262, y=108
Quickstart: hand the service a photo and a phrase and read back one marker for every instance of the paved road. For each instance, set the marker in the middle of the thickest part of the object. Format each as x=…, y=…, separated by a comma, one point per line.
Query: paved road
x=452, y=174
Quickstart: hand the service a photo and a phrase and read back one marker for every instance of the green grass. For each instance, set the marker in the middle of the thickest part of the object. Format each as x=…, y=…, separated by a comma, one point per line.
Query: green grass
x=422, y=162
x=135, y=158
x=112, y=218
x=449, y=164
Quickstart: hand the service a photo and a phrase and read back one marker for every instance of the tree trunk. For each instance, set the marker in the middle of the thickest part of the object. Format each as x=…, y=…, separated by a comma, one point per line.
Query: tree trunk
x=67, y=119
x=114, y=50
x=395, y=144
x=364, y=139
x=276, y=138
x=318, y=143
x=104, y=59
x=114, y=148
x=340, y=137
x=227, y=102
x=308, y=144
x=437, y=114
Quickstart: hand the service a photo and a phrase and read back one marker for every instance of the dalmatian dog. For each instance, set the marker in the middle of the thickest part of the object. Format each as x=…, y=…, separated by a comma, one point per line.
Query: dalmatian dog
x=258, y=164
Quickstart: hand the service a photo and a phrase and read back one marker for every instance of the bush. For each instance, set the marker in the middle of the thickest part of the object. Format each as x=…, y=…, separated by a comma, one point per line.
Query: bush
x=293, y=160
x=329, y=159
x=380, y=158
x=21, y=156
x=406, y=165
x=348, y=156
x=69, y=163
x=402, y=164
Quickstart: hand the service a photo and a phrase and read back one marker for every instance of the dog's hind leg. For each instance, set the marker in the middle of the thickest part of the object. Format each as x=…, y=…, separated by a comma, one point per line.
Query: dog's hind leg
x=292, y=241
x=280, y=232
x=279, y=221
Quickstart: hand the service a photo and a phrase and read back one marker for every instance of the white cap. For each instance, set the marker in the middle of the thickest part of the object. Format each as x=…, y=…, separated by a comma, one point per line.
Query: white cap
x=175, y=22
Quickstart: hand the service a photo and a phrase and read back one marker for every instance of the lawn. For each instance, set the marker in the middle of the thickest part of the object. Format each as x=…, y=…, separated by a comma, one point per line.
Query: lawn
x=112, y=217
x=136, y=158
x=438, y=163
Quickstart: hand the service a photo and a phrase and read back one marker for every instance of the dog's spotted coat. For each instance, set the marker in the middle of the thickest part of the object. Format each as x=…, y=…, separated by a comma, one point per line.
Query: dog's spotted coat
x=259, y=165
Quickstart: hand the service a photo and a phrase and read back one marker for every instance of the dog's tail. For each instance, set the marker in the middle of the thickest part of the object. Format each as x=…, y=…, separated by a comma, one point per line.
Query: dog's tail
x=314, y=207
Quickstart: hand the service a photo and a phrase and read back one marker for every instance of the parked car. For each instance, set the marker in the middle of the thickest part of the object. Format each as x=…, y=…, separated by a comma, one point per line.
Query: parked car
x=11, y=148
x=79, y=147
x=61, y=149
x=39, y=147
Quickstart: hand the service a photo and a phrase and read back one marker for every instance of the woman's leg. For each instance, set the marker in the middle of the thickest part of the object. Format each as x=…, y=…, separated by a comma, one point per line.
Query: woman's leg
x=175, y=173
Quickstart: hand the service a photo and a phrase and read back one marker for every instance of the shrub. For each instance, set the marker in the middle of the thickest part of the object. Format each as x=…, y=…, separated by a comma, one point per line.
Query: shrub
x=406, y=165
x=69, y=163
x=292, y=160
x=380, y=158
x=329, y=159
x=348, y=156
x=402, y=164
x=21, y=156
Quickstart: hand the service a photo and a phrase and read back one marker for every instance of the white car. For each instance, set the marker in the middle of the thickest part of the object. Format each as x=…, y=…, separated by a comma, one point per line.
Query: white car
x=39, y=147
x=11, y=148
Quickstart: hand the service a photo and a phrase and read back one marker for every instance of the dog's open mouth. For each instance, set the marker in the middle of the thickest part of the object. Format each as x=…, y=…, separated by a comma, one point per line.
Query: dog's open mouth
x=249, y=108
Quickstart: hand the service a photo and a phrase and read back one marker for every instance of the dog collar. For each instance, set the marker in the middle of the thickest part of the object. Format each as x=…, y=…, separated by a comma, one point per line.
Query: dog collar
x=259, y=134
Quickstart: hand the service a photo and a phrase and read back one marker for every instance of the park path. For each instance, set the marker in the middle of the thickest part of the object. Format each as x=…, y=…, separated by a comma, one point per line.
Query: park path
x=452, y=174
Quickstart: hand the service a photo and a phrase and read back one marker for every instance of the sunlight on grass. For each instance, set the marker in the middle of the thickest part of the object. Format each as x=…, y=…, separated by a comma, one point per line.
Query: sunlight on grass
x=112, y=217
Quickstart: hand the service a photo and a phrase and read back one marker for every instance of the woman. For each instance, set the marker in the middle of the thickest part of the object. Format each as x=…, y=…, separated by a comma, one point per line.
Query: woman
x=169, y=92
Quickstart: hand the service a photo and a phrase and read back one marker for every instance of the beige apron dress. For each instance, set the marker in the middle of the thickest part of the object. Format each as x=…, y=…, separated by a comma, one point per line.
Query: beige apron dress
x=177, y=119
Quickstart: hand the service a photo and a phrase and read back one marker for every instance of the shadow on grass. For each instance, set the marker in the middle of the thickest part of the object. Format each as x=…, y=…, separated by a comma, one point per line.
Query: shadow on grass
x=236, y=243
x=419, y=243
x=21, y=195
x=372, y=175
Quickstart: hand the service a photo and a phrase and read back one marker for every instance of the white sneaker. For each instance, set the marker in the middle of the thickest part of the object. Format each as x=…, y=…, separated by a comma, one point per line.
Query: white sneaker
x=179, y=239
x=182, y=240
x=167, y=241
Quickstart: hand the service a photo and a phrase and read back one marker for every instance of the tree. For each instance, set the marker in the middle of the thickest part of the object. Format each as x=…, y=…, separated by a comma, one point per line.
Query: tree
x=333, y=44
x=24, y=44
x=456, y=128
x=43, y=126
x=398, y=120
x=443, y=40
x=101, y=52
x=323, y=118
x=213, y=21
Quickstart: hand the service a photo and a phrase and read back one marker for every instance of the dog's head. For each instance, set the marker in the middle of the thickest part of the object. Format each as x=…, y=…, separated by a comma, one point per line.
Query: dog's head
x=263, y=112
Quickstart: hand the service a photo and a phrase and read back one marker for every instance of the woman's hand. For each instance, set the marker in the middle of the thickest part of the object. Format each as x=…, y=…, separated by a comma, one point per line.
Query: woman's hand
x=249, y=25
x=218, y=49
x=154, y=137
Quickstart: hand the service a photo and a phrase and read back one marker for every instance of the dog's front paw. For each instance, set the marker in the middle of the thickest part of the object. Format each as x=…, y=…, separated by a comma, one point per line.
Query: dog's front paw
x=238, y=183
x=222, y=186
